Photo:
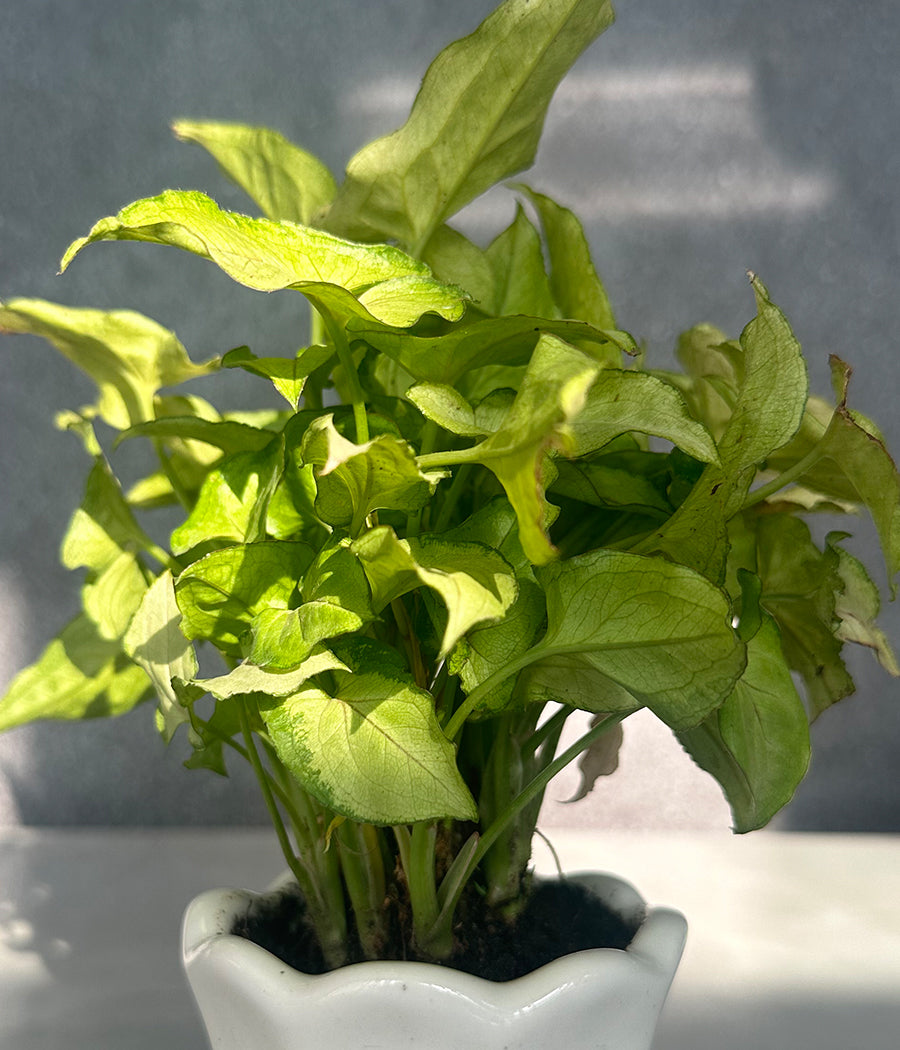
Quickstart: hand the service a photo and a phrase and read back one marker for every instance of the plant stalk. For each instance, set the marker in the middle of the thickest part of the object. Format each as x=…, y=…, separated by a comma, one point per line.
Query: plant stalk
x=357, y=398
x=531, y=790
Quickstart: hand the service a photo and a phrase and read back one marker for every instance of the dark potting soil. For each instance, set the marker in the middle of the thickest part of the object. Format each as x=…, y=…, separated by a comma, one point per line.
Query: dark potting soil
x=560, y=917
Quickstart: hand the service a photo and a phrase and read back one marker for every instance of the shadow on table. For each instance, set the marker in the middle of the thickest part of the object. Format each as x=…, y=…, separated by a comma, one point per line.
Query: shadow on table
x=788, y=1021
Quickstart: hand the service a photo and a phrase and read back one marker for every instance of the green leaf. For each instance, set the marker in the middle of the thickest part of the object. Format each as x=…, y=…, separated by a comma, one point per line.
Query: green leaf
x=857, y=607
x=284, y=180
x=112, y=598
x=800, y=584
x=403, y=300
x=713, y=375
x=208, y=737
x=336, y=601
x=103, y=526
x=353, y=480
x=576, y=288
x=448, y=357
x=249, y=678
x=660, y=631
x=281, y=639
x=156, y=643
x=485, y=650
x=574, y=680
x=258, y=253
x=766, y=415
x=634, y=481
x=453, y=258
x=225, y=434
x=757, y=743
x=288, y=374
x=127, y=355
x=520, y=281
x=79, y=675
x=552, y=394
x=476, y=120
x=475, y=583
x=374, y=752
x=446, y=406
x=852, y=464
x=220, y=595
x=621, y=402
x=233, y=500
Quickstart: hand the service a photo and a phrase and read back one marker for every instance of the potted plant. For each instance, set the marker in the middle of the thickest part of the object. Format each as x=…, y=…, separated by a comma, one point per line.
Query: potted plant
x=476, y=511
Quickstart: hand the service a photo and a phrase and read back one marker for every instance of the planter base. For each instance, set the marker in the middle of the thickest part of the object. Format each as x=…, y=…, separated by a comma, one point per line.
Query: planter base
x=607, y=997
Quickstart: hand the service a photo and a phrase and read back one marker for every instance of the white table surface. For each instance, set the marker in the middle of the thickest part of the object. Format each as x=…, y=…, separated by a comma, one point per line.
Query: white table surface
x=794, y=940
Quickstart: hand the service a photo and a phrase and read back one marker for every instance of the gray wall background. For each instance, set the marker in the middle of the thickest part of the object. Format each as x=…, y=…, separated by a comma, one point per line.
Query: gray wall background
x=697, y=140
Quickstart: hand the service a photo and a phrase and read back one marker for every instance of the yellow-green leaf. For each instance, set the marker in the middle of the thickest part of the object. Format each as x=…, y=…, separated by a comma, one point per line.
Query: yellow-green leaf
x=284, y=180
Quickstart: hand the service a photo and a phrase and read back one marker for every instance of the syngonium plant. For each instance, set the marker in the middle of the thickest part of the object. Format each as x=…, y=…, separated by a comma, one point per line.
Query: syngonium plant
x=475, y=513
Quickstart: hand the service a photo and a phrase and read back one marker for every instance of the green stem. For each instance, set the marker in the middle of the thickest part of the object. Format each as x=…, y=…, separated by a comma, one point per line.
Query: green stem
x=357, y=398
x=458, y=719
x=268, y=797
x=529, y=792
x=316, y=327
x=410, y=642
x=329, y=922
x=363, y=868
x=549, y=729
x=539, y=783
x=786, y=477
x=456, y=489
x=450, y=458
x=181, y=493
x=434, y=940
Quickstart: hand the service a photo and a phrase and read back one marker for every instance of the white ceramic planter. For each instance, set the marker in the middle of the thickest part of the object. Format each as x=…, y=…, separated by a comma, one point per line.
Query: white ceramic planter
x=602, y=998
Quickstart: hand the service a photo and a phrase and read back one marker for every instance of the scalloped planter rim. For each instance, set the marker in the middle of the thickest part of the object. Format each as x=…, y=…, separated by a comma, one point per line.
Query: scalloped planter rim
x=604, y=997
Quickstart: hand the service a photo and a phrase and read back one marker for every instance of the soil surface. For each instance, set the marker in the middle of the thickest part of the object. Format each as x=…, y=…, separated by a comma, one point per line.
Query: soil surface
x=560, y=918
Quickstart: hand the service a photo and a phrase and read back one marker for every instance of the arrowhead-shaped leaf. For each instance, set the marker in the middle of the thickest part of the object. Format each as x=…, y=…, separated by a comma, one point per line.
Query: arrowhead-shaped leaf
x=452, y=257
x=288, y=374
x=486, y=649
x=400, y=302
x=857, y=606
x=766, y=415
x=757, y=743
x=475, y=583
x=249, y=678
x=233, y=501
x=660, y=631
x=228, y=435
x=127, y=355
x=78, y=675
x=374, y=752
x=448, y=357
x=284, y=180
x=259, y=253
x=551, y=395
x=220, y=595
x=621, y=402
x=103, y=526
x=112, y=597
x=336, y=601
x=353, y=480
x=578, y=291
x=800, y=584
x=476, y=120
x=156, y=643
x=853, y=464
x=520, y=280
